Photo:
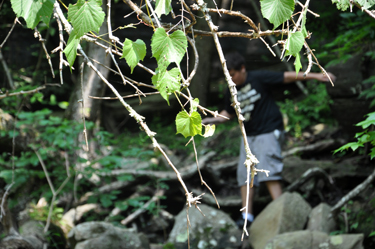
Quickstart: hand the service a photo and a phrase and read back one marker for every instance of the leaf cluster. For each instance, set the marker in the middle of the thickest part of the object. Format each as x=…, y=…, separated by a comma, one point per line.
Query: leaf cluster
x=366, y=136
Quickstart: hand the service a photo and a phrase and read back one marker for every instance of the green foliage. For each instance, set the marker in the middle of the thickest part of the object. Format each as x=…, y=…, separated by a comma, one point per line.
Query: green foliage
x=366, y=136
x=33, y=11
x=343, y=5
x=278, y=11
x=293, y=45
x=312, y=109
x=189, y=124
x=352, y=37
x=166, y=48
x=85, y=16
x=133, y=52
x=163, y=7
x=167, y=82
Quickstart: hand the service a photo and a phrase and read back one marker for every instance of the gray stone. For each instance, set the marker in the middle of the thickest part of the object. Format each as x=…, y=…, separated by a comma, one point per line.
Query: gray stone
x=297, y=240
x=216, y=229
x=346, y=241
x=287, y=213
x=319, y=219
x=92, y=235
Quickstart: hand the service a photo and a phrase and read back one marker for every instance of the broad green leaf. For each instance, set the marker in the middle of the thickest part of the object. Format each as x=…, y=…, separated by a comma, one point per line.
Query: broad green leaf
x=71, y=48
x=33, y=11
x=171, y=48
x=294, y=43
x=209, y=130
x=86, y=16
x=189, y=125
x=163, y=7
x=370, y=120
x=167, y=82
x=277, y=11
x=297, y=64
x=133, y=52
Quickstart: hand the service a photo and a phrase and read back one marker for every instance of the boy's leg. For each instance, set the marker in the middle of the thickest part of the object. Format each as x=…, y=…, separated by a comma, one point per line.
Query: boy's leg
x=274, y=187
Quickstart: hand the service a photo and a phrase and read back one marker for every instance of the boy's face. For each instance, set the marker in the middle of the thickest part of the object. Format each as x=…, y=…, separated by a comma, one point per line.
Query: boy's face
x=238, y=76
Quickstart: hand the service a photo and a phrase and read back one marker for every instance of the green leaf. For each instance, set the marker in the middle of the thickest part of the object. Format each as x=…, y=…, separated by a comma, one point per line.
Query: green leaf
x=297, y=64
x=294, y=43
x=209, y=130
x=170, y=48
x=353, y=146
x=194, y=105
x=163, y=7
x=303, y=24
x=86, y=16
x=133, y=52
x=366, y=4
x=372, y=234
x=341, y=4
x=277, y=11
x=167, y=82
x=370, y=120
x=33, y=11
x=70, y=50
x=188, y=125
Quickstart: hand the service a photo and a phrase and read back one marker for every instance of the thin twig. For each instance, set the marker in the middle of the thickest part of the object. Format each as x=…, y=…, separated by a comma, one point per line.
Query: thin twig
x=38, y=35
x=10, y=31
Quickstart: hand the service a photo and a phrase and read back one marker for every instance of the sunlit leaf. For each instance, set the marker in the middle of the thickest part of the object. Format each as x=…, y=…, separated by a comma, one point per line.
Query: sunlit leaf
x=209, y=130
x=297, y=64
x=86, y=16
x=70, y=50
x=163, y=7
x=294, y=43
x=169, y=48
x=167, y=82
x=133, y=52
x=277, y=11
x=33, y=11
x=189, y=125
x=370, y=120
x=194, y=104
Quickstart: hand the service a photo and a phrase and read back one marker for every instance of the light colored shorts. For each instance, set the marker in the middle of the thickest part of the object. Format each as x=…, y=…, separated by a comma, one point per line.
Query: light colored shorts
x=267, y=149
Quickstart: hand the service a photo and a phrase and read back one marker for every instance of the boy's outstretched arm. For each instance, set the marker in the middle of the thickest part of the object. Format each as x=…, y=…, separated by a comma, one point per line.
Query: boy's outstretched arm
x=291, y=76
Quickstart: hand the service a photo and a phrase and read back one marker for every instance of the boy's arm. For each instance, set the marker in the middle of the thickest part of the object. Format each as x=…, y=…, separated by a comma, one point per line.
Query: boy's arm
x=218, y=119
x=290, y=77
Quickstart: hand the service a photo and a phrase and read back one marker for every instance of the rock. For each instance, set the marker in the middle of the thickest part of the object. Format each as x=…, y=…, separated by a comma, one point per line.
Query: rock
x=346, y=241
x=216, y=229
x=297, y=240
x=75, y=214
x=287, y=213
x=92, y=235
x=314, y=240
x=319, y=219
x=33, y=232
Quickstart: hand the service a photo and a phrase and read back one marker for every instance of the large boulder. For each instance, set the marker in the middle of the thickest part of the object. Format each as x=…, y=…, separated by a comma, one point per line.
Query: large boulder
x=314, y=240
x=287, y=213
x=103, y=235
x=297, y=240
x=216, y=229
x=320, y=219
x=346, y=241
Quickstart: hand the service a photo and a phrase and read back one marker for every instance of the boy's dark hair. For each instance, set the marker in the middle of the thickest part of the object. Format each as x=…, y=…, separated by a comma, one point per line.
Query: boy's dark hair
x=235, y=61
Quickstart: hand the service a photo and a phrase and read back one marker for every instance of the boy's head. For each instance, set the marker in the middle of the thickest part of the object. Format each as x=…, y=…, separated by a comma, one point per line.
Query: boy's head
x=236, y=66
x=235, y=61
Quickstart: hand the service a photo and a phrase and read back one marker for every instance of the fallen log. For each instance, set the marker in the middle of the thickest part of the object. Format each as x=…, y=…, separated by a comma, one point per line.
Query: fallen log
x=316, y=147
